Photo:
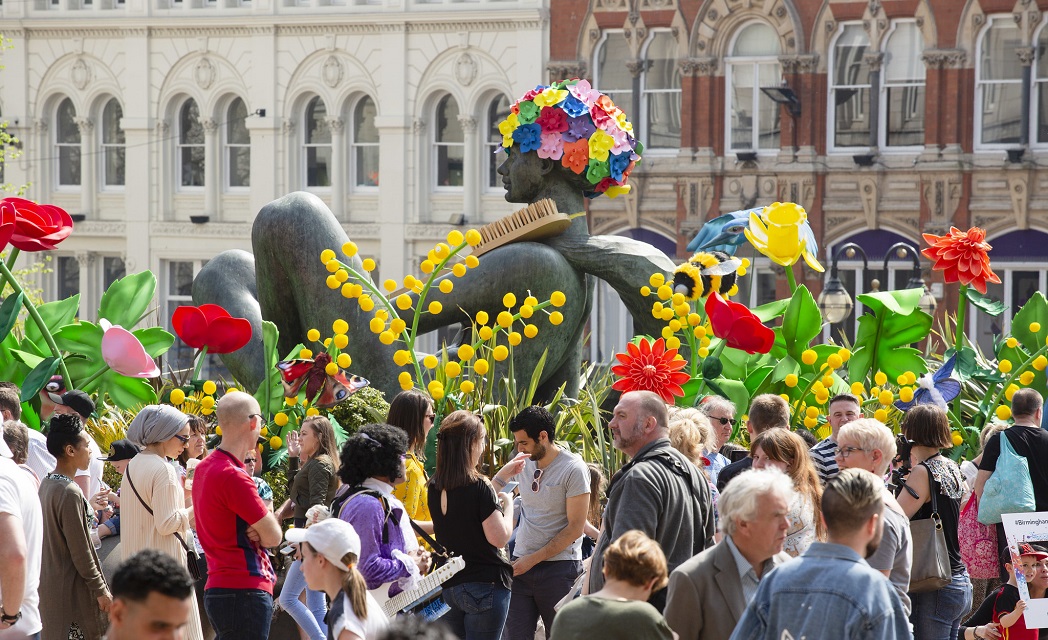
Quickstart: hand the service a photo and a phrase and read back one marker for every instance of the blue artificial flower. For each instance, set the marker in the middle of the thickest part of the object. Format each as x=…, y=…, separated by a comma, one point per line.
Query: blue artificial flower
x=579, y=128
x=938, y=388
x=528, y=136
x=574, y=107
x=618, y=163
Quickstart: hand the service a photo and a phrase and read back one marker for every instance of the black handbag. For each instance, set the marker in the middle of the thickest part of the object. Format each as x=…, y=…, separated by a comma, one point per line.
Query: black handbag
x=192, y=558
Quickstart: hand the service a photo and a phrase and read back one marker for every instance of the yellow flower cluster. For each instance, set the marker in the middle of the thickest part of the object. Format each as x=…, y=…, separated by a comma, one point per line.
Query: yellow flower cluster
x=675, y=310
x=201, y=403
x=333, y=345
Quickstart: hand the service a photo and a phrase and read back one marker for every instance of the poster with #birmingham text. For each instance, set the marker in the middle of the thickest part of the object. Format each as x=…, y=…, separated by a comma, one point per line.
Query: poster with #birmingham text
x=1031, y=528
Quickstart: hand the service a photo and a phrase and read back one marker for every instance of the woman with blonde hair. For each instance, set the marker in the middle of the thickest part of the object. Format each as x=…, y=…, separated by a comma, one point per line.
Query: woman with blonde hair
x=691, y=433
x=634, y=567
x=314, y=484
x=786, y=451
x=330, y=550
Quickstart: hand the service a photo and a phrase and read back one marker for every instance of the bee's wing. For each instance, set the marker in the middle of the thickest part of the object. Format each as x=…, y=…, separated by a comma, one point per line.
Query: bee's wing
x=724, y=268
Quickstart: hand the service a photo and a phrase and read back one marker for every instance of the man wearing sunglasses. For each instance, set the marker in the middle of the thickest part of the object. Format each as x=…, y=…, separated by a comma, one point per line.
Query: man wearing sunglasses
x=767, y=411
x=554, y=493
x=844, y=408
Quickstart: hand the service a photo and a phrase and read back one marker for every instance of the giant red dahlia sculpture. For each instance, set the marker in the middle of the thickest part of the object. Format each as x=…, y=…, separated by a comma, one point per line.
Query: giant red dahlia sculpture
x=652, y=367
x=962, y=257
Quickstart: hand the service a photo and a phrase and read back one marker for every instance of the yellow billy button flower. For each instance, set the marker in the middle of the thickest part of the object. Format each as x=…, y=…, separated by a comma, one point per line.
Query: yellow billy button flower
x=1005, y=366
x=312, y=411
x=280, y=419
x=466, y=386
x=177, y=397
x=811, y=412
x=435, y=308
x=682, y=310
x=340, y=326
x=1010, y=391
x=481, y=367
x=703, y=352
x=811, y=423
x=695, y=320
x=466, y=353
x=327, y=342
x=376, y=325
x=526, y=311
x=332, y=282
x=292, y=401
x=880, y=415
x=656, y=310
x=1040, y=363
x=426, y=266
x=784, y=397
x=906, y=394
x=645, y=291
x=901, y=379
x=332, y=266
x=956, y=438
x=207, y=402
x=348, y=290
x=341, y=275
x=401, y=357
x=482, y=317
x=206, y=411
x=656, y=280
x=791, y=380
x=665, y=292
x=822, y=397
x=458, y=269
x=704, y=341
x=430, y=362
x=366, y=303
x=405, y=380
x=455, y=237
x=472, y=261
x=674, y=325
x=509, y=300
x=556, y=318
x=1035, y=327
x=1026, y=377
x=514, y=338
x=389, y=284
x=827, y=381
x=677, y=299
x=700, y=331
x=1003, y=412
x=530, y=331
x=344, y=360
x=452, y=369
x=331, y=369
x=667, y=314
x=275, y=443
x=844, y=354
x=505, y=319
x=397, y=326
x=880, y=378
x=485, y=333
x=349, y=249
x=473, y=237
x=368, y=265
x=327, y=255
x=313, y=335
x=446, y=286
x=911, y=377
x=1011, y=342
x=305, y=354
x=809, y=357
x=341, y=341
x=404, y=301
x=500, y=353
x=209, y=387
x=886, y=398
x=387, y=337
x=835, y=361
x=857, y=389
x=667, y=333
x=673, y=342
x=441, y=250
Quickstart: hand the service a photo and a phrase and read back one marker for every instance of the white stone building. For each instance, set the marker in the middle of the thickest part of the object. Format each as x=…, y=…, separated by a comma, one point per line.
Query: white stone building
x=164, y=125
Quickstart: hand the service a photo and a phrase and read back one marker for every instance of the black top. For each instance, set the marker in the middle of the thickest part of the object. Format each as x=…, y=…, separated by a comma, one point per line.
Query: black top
x=732, y=470
x=461, y=531
x=333, y=614
x=945, y=481
x=1031, y=443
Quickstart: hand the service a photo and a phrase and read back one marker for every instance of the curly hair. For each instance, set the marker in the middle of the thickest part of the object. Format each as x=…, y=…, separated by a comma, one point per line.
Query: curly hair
x=374, y=451
x=65, y=430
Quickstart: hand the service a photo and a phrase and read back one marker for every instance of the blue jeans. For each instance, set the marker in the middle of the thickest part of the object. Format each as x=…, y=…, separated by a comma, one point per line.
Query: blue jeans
x=936, y=615
x=478, y=610
x=310, y=616
x=534, y=595
x=239, y=614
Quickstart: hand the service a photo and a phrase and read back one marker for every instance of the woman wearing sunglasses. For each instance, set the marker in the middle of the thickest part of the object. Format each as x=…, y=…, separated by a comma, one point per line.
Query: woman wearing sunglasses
x=153, y=509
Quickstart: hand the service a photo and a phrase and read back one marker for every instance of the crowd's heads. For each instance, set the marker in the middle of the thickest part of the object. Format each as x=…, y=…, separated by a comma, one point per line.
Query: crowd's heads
x=412, y=411
x=843, y=408
x=74, y=401
x=1026, y=403
x=197, y=445
x=373, y=452
x=16, y=436
x=637, y=560
x=66, y=435
x=120, y=453
x=783, y=447
x=10, y=404
x=325, y=435
x=416, y=628
x=988, y=431
x=332, y=547
x=152, y=597
x=850, y=501
x=927, y=425
x=721, y=413
x=768, y=411
x=691, y=433
x=866, y=444
x=747, y=497
x=459, y=443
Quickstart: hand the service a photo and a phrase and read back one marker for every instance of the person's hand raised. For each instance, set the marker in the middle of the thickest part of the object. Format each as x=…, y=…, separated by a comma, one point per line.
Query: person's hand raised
x=294, y=447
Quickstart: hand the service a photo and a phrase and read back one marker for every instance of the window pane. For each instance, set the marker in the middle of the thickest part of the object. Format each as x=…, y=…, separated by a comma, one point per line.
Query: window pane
x=111, y=131
x=902, y=59
x=236, y=123
x=765, y=287
x=68, y=272
x=1042, y=54
x=852, y=124
x=67, y=132
x=180, y=279
x=449, y=165
x=240, y=166
x=998, y=60
x=906, y=116
x=742, y=82
x=192, y=166
x=988, y=328
x=663, y=72
x=770, y=113
x=1024, y=285
x=848, y=65
x=449, y=129
x=364, y=122
x=318, y=159
x=114, y=166
x=612, y=74
x=367, y=165
x=1042, y=111
x=317, y=131
x=1001, y=112
x=190, y=130
x=69, y=165
x=757, y=40
x=112, y=270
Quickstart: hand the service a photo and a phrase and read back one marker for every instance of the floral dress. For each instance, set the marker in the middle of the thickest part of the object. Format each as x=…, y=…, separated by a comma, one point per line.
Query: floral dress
x=801, y=533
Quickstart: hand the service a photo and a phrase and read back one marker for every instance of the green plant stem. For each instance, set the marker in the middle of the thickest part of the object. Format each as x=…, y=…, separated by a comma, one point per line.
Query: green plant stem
x=200, y=362
x=962, y=307
x=980, y=419
x=716, y=354
x=86, y=384
x=792, y=279
x=12, y=257
x=35, y=315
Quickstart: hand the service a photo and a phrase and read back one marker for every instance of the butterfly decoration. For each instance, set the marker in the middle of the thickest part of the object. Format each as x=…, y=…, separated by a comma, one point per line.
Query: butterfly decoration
x=937, y=388
x=312, y=373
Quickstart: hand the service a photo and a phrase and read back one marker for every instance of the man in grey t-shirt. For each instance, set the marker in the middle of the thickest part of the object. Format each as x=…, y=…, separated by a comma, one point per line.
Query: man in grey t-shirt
x=554, y=493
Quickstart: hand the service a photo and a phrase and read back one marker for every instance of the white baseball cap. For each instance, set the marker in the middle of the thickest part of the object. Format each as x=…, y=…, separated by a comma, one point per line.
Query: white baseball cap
x=332, y=538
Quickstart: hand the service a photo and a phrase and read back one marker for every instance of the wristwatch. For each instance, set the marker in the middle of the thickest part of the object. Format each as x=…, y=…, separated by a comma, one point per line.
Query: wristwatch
x=9, y=620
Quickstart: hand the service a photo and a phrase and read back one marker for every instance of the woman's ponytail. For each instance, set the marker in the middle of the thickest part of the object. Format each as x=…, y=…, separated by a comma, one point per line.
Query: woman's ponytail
x=354, y=586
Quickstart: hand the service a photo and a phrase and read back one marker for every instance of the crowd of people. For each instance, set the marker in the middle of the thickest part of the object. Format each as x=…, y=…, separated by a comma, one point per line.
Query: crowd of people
x=693, y=538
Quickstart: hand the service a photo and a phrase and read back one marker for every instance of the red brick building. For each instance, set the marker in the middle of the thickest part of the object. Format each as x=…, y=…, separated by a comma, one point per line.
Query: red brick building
x=905, y=116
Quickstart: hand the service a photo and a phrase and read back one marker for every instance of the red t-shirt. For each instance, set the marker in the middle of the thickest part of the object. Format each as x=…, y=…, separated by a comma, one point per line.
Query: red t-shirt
x=226, y=503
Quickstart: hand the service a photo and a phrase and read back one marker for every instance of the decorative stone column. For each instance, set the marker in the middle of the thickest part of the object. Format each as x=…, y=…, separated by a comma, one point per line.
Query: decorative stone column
x=89, y=296
x=212, y=168
x=88, y=162
x=1026, y=56
x=339, y=167
x=470, y=170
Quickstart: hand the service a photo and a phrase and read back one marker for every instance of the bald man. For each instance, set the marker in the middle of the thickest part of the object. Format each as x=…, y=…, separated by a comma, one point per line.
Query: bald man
x=234, y=527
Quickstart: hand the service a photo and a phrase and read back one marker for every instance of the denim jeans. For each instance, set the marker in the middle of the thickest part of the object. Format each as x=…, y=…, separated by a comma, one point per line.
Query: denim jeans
x=478, y=610
x=535, y=593
x=310, y=616
x=239, y=614
x=936, y=615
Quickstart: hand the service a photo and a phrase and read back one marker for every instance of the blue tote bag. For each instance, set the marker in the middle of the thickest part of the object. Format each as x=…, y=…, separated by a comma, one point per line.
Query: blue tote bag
x=1009, y=489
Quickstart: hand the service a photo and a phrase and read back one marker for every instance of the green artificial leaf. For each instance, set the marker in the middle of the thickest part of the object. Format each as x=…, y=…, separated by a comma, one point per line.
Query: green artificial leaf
x=1017, y=355
x=758, y=378
x=771, y=310
x=711, y=368
x=801, y=323
x=38, y=377
x=81, y=368
x=882, y=342
x=9, y=313
x=55, y=315
x=981, y=300
x=270, y=391
x=27, y=358
x=902, y=302
x=966, y=364
x=785, y=367
x=155, y=340
x=691, y=390
x=11, y=369
x=1035, y=310
x=126, y=300
x=732, y=390
x=30, y=417
x=125, y=392
x=82, y=337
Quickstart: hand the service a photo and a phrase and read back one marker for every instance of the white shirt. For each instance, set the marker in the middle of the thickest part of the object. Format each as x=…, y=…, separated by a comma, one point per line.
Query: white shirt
x=369, y=629
x=18, y=497
x=39, y=460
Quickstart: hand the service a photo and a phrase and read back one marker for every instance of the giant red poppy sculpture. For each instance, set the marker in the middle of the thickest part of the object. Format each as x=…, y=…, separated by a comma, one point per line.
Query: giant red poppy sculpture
x=962, y=256
x=650, y=366
x=738, y=326
x=38, y=227
x=210, y=327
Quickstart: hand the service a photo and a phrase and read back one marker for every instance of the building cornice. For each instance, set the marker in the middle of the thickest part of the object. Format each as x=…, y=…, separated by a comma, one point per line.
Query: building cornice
x=210, y=229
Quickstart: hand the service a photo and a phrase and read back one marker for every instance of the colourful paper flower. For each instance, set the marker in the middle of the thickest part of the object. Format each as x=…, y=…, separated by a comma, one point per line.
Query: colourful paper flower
x=962, y=257
x=781, y=232
x=38, y=227
x=211, y=326
x=622, y=121
x=528, y=112
x=552, y=146
x=617, y=164
x=552, y=120
x=596, y=170
x=650, y=367
x=124, y=353
x=580, y=128
x=617, y=190
x=738, y=326
x=576, y=155
x=574, y=107
x=550, y=97
x=584, y=92
x=507, y=127
x=600, y=145
x=528, y=136
x=600, y=117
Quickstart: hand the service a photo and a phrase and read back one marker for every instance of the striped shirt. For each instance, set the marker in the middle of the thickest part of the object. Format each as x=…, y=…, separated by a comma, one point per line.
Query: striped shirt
x=822, y=455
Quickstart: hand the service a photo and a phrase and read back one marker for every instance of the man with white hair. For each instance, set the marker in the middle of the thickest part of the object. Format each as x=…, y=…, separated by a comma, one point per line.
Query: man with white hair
x=868, y=444
x=708, y=594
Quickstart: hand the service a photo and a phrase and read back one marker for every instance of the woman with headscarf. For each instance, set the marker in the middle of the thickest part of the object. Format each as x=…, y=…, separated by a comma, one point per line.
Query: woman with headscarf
x=153, y=509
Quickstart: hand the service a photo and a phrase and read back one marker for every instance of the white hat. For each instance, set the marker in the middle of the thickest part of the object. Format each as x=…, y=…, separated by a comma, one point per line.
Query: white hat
x=331, y=538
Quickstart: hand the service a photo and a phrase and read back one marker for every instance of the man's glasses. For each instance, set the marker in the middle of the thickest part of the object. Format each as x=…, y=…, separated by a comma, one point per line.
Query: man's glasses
x=183, y=439
x=844, y=452
x=724, y=421
x=252, y=415
x=250, y=460
x=535, y=482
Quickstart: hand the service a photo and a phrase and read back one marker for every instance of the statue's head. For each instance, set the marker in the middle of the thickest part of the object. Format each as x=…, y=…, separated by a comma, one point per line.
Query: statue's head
x=567, y=132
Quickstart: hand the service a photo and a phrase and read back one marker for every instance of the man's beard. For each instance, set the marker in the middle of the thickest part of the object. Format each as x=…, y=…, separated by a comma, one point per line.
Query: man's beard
x=539, y=452
x=628, y=440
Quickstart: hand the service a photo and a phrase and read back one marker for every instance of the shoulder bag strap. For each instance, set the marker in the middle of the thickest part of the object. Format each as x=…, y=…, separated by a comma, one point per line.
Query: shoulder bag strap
x=178, y=536
x=932, y=491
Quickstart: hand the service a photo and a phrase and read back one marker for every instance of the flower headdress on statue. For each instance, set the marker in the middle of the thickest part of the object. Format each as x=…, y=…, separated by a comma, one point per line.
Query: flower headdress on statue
x=572, y=122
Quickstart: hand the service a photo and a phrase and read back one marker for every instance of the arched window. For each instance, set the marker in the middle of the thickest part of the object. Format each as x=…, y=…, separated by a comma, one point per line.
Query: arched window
x=498, y=110
x=448, y=143
x=753, y=118
x=998, y=81
x=67, y=144
x=238, y=146
x=660, y=93
x=850, y=88
x=112, y=145
x=317, y=144
x=612, y=76
x=902, y=106
x=190, y=145
x=1040, y=90
x=365, y=143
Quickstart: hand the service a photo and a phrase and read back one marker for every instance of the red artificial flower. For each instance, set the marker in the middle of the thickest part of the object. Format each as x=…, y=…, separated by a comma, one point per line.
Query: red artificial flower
x=552, y=120
x=38, y=227
x=7, y=223
x=962, y=257
x=736, y=325
x=650, y=367
x=211, y=326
